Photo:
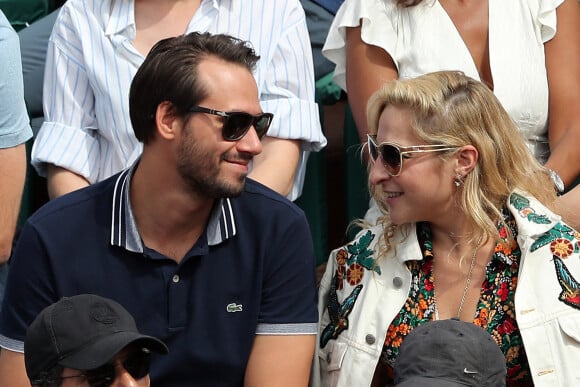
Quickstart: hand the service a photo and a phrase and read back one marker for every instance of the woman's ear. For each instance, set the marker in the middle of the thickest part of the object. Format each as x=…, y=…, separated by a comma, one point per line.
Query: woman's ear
x=166, y=121
x=467, y=157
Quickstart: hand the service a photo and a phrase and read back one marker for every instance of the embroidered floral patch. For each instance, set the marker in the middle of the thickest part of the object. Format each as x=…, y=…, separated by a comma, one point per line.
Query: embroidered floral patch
x=340, y=274
x=570, y=286
x=338, y=313
x=522, y=204
x=559, y=231
x=352, y=262
x=360, y=253
x=562, y=248
x=353, y=259
x=355, y=274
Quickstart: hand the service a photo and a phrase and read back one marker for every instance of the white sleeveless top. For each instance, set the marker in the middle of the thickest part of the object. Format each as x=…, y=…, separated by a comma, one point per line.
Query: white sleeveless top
x=423, y=39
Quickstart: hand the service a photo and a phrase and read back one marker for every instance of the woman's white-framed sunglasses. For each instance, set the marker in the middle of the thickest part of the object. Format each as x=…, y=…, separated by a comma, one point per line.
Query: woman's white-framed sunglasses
x=392, y=154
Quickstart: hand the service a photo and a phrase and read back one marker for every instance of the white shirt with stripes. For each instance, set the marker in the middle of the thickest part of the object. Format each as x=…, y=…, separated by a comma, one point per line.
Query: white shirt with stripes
x=90, y=64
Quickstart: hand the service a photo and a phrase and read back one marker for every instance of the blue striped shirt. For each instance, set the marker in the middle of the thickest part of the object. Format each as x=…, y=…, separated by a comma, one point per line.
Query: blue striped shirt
x=91, y=62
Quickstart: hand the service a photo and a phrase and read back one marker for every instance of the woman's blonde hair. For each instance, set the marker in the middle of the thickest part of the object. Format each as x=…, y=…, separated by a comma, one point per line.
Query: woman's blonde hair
x=452, y=109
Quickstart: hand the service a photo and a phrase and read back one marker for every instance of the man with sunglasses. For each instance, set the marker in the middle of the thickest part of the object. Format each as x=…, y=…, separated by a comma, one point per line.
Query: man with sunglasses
x=218, y=266
x=88, y=340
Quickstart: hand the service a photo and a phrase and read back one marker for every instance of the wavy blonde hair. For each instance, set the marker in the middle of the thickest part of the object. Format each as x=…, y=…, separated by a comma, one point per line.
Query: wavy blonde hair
x=452, y=109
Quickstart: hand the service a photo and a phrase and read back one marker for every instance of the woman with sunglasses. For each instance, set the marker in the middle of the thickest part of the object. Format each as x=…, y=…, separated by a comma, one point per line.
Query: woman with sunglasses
x=466, y=232
x=526, y=51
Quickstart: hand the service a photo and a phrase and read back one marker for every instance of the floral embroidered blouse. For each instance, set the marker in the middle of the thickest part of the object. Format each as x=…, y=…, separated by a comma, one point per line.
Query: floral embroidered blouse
x=495, y=310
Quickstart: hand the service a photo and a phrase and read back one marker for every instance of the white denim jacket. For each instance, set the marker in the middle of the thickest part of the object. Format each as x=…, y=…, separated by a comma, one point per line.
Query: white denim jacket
x=547, y=300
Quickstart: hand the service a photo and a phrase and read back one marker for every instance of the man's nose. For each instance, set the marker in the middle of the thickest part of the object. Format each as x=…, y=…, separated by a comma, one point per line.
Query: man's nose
x=124, y=379
x=250, y=143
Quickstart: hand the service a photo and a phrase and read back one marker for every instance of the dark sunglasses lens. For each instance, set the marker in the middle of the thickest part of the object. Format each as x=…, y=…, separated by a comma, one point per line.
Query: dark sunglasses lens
x=391, y=158
x=101, y=377
x=138, y=365
x=236, y=125
x=262, y=124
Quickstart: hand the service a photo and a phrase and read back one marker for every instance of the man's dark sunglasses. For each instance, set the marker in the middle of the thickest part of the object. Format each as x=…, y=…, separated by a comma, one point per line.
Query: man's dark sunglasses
x=137, y=365
x=237, y=124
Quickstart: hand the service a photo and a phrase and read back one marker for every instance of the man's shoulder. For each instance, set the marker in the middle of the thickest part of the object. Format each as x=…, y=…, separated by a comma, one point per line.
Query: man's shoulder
x=261, y=198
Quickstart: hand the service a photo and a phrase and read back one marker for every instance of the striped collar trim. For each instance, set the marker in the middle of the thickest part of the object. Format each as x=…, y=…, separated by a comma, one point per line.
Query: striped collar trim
x=124, y=232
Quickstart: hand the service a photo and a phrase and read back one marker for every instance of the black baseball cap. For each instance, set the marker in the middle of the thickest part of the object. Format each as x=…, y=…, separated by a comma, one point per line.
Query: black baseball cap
x=449, y=353
x=82, y=332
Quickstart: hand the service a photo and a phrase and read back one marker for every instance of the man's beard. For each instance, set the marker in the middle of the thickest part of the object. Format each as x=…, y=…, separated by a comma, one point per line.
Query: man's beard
x=197, y=169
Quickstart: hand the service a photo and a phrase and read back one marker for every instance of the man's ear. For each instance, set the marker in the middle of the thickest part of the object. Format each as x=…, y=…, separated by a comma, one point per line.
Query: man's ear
x=166, y=121
x=467, y=157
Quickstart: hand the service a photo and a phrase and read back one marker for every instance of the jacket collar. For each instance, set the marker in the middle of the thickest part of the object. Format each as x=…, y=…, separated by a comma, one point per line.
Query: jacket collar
x=532, y=217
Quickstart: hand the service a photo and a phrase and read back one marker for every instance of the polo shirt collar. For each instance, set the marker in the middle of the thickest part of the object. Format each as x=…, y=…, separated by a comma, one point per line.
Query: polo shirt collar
x=124, y=233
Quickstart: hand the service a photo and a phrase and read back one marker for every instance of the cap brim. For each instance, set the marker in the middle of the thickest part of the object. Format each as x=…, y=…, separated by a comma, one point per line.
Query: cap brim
x=419, y=381
x=101, y=351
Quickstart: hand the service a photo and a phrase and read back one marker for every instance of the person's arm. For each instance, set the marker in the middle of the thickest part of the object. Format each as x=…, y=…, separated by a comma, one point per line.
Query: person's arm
x=283, y=346
x=61, y=181
x=288, y=91
x=277, y=361
x=12, y=371
x=14, y=132
x=563, y=67
x=66, y=149
x=367, y=69
x=30, y=287
x=275, y=167
x=568, y=206
x=12, y=175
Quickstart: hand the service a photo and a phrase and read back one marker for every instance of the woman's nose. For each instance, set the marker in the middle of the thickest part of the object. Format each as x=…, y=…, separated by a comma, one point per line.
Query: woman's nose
x=378, y=173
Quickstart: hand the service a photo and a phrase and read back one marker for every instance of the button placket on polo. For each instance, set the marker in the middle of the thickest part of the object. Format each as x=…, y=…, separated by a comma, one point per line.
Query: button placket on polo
x=177, y=296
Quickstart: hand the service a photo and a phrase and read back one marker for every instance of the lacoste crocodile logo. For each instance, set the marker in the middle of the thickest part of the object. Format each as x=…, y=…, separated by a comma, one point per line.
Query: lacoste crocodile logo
x=233, y=307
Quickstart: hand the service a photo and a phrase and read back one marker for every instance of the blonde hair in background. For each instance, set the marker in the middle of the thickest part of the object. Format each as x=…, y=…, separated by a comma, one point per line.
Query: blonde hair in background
x=455, y=110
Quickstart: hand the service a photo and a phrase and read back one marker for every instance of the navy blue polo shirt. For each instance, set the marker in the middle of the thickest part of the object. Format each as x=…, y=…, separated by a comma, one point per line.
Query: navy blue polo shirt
x=251, y=272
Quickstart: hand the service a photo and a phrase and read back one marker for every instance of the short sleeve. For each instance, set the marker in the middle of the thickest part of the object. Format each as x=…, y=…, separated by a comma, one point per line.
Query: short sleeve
x=29, y=288
x=378, y=20
x=545, y=17
x=14, y=123
x=288, y=303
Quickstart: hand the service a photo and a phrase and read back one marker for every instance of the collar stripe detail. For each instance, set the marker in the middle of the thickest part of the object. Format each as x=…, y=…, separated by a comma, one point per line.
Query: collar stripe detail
x=116, y=210
x=124, y=233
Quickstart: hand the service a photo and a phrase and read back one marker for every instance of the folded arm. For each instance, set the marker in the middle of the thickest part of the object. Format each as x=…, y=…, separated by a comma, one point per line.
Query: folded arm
x=276, y=166
x=288, y=91
x=61, y=181
x=65, y=149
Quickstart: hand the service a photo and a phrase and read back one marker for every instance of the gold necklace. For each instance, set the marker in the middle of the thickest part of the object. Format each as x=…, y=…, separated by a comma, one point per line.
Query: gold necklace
x=465, y=288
